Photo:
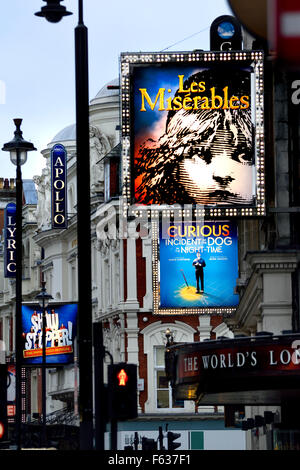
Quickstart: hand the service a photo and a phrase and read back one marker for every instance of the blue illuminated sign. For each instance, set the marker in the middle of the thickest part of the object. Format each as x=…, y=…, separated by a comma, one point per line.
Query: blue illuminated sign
x=59, y=186
x=10, y=240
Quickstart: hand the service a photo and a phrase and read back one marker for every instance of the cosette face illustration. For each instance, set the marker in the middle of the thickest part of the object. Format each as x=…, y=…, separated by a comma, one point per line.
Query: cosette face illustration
x=219, y=168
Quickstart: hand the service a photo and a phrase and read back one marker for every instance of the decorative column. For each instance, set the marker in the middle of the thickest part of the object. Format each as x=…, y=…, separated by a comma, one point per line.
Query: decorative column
x=204, y=327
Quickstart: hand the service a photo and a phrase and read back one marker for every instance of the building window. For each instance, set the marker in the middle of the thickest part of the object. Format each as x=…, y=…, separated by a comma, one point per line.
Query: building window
x=159, y=392
x=26, y=260
x=73, y=282
x=107, y=283
x=164, y=397
x=107, y=181
x=116, y=279
x=71, y=200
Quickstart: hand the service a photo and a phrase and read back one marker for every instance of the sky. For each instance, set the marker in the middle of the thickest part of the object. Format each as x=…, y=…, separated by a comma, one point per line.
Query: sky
x=37, y=63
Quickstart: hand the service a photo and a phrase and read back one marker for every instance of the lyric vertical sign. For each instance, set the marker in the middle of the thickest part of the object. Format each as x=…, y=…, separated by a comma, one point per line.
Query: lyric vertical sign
x=10, y=240
x=59, y=186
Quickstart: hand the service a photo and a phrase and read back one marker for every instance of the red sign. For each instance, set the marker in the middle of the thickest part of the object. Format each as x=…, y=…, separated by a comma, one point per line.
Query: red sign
x=11, y=410
x=267, y=358
x=236, y=367
x=49, y=351
x=284, y=29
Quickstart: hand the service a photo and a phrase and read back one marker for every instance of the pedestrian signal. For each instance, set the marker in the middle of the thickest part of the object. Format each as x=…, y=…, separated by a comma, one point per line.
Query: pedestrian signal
x=172, y=436
x=122, y=379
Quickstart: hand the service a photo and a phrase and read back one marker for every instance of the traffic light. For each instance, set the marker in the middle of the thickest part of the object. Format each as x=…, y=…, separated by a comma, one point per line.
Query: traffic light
x=122, y=379
x=248, y=424
x=3, y=402
x=148, y=444
x=172, y=436
x=225, y=34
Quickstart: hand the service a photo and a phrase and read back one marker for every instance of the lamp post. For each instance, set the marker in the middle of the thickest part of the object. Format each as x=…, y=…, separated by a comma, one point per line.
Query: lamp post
x=169, y=336
x=43, y=299
x=54, y=12
x=18, y=148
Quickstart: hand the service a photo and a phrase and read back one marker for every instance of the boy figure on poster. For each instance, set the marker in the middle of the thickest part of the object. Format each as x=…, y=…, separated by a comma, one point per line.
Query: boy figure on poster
x=199, y=264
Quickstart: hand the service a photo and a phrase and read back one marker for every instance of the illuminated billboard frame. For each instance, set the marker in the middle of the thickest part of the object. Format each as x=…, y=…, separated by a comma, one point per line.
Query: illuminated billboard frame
x=206, y=298
x=130, y=62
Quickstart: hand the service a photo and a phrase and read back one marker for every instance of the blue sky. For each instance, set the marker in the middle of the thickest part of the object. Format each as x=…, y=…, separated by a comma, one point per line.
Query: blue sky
x=37, y=80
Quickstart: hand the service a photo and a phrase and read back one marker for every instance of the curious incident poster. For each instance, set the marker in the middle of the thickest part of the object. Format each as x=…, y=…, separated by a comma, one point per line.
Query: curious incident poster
x=198, y=265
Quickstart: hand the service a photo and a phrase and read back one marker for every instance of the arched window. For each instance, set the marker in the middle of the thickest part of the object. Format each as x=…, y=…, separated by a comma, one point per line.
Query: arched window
x=26, y=260
x=71, y=199
x=159, y=390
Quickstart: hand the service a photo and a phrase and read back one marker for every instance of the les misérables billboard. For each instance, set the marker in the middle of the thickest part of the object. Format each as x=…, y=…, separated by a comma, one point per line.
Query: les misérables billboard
x=195, y=268
x=192, y=130
x=61, y=330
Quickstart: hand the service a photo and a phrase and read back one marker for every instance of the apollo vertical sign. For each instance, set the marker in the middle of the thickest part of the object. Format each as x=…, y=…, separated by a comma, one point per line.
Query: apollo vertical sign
x=10, y=240
x=59, y=186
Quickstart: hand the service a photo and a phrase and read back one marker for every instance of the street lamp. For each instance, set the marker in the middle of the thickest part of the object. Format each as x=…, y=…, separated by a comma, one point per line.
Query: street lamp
x=43, y=299
x=18, y=148
x=170, y=337
x=85, y=351
x=53, y=11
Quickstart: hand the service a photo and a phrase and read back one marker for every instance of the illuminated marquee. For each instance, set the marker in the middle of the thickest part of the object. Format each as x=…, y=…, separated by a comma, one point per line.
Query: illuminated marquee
x=195, y=267
x=193, y=131
x=59, y=186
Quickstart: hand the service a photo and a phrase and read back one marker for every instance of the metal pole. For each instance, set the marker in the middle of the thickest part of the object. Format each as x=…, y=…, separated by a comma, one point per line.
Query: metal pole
x=44, y=435
x=113, y=434
x=100, y=403
x=85, y=355
x=18, y=320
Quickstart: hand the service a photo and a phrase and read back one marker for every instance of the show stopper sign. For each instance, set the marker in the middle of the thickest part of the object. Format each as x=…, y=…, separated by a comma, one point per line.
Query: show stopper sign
x=198, y=265
x=61, y=325
x=59, y=186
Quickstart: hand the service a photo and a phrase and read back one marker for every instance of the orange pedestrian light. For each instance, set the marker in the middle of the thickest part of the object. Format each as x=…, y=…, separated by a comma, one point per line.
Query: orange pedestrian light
x=123, y=377
x=122, y=383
